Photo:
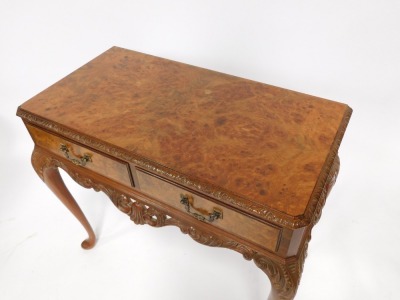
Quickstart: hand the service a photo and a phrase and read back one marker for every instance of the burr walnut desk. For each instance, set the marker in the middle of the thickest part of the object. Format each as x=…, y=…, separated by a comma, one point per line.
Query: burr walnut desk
x=232, y=162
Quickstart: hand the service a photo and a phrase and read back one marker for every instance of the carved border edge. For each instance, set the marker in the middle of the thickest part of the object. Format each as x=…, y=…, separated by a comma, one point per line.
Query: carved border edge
x=209, y=189
x=295, y=268
x=329, y=167
x=285, y=277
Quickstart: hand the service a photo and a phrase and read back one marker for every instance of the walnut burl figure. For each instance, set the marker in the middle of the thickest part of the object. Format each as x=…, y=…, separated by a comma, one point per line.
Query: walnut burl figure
x=232, y=162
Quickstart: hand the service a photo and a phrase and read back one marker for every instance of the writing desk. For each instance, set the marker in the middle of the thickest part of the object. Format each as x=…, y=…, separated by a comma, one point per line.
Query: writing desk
x=232, y=162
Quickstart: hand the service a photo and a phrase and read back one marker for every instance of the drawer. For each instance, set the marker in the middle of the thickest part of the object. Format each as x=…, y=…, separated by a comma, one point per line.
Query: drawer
x=99, y=163
x=263, y=234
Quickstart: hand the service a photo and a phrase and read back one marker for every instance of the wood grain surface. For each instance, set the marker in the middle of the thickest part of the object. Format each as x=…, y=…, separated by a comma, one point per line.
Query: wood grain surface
x=108, y=167
x=262, y=234
x=263, y=143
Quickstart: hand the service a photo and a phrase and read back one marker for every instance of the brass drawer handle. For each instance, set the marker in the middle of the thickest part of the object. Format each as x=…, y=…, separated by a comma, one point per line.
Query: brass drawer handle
x=79, y=161
x=203, y=215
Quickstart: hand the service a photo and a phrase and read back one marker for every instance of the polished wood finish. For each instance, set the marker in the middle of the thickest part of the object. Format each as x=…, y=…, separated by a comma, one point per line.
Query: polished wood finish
x=99, y=163
x=263, y=234
x=263, y=143
x=264, y=157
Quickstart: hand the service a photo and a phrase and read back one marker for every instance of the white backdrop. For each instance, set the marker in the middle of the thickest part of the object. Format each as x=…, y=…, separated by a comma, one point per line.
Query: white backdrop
x=345, y=50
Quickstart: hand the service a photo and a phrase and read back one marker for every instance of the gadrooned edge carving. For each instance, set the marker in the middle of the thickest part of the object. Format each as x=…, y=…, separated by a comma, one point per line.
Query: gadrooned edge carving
x=213, y=191
x=295, y=269
x=285, y=278
x=330, y=167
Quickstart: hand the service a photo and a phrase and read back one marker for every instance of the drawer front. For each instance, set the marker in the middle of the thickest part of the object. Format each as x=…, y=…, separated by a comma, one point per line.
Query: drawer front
x=262, y=234
x=88, y=159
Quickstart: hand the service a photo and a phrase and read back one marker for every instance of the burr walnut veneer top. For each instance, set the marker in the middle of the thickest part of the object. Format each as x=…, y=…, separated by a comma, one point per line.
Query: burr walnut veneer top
x=262, y=143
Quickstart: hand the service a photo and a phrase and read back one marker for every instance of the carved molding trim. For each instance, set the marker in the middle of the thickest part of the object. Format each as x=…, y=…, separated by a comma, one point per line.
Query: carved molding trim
x=285, y=278
x=329, y=167
x=330, y=182
x=297, y=266
x=208, y=189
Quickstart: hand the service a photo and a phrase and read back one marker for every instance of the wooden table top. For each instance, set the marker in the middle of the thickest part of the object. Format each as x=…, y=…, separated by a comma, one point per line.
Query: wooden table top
x=261, y=143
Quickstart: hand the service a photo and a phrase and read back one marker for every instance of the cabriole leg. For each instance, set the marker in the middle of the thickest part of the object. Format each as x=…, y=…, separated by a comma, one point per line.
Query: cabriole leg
x=47, y=169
